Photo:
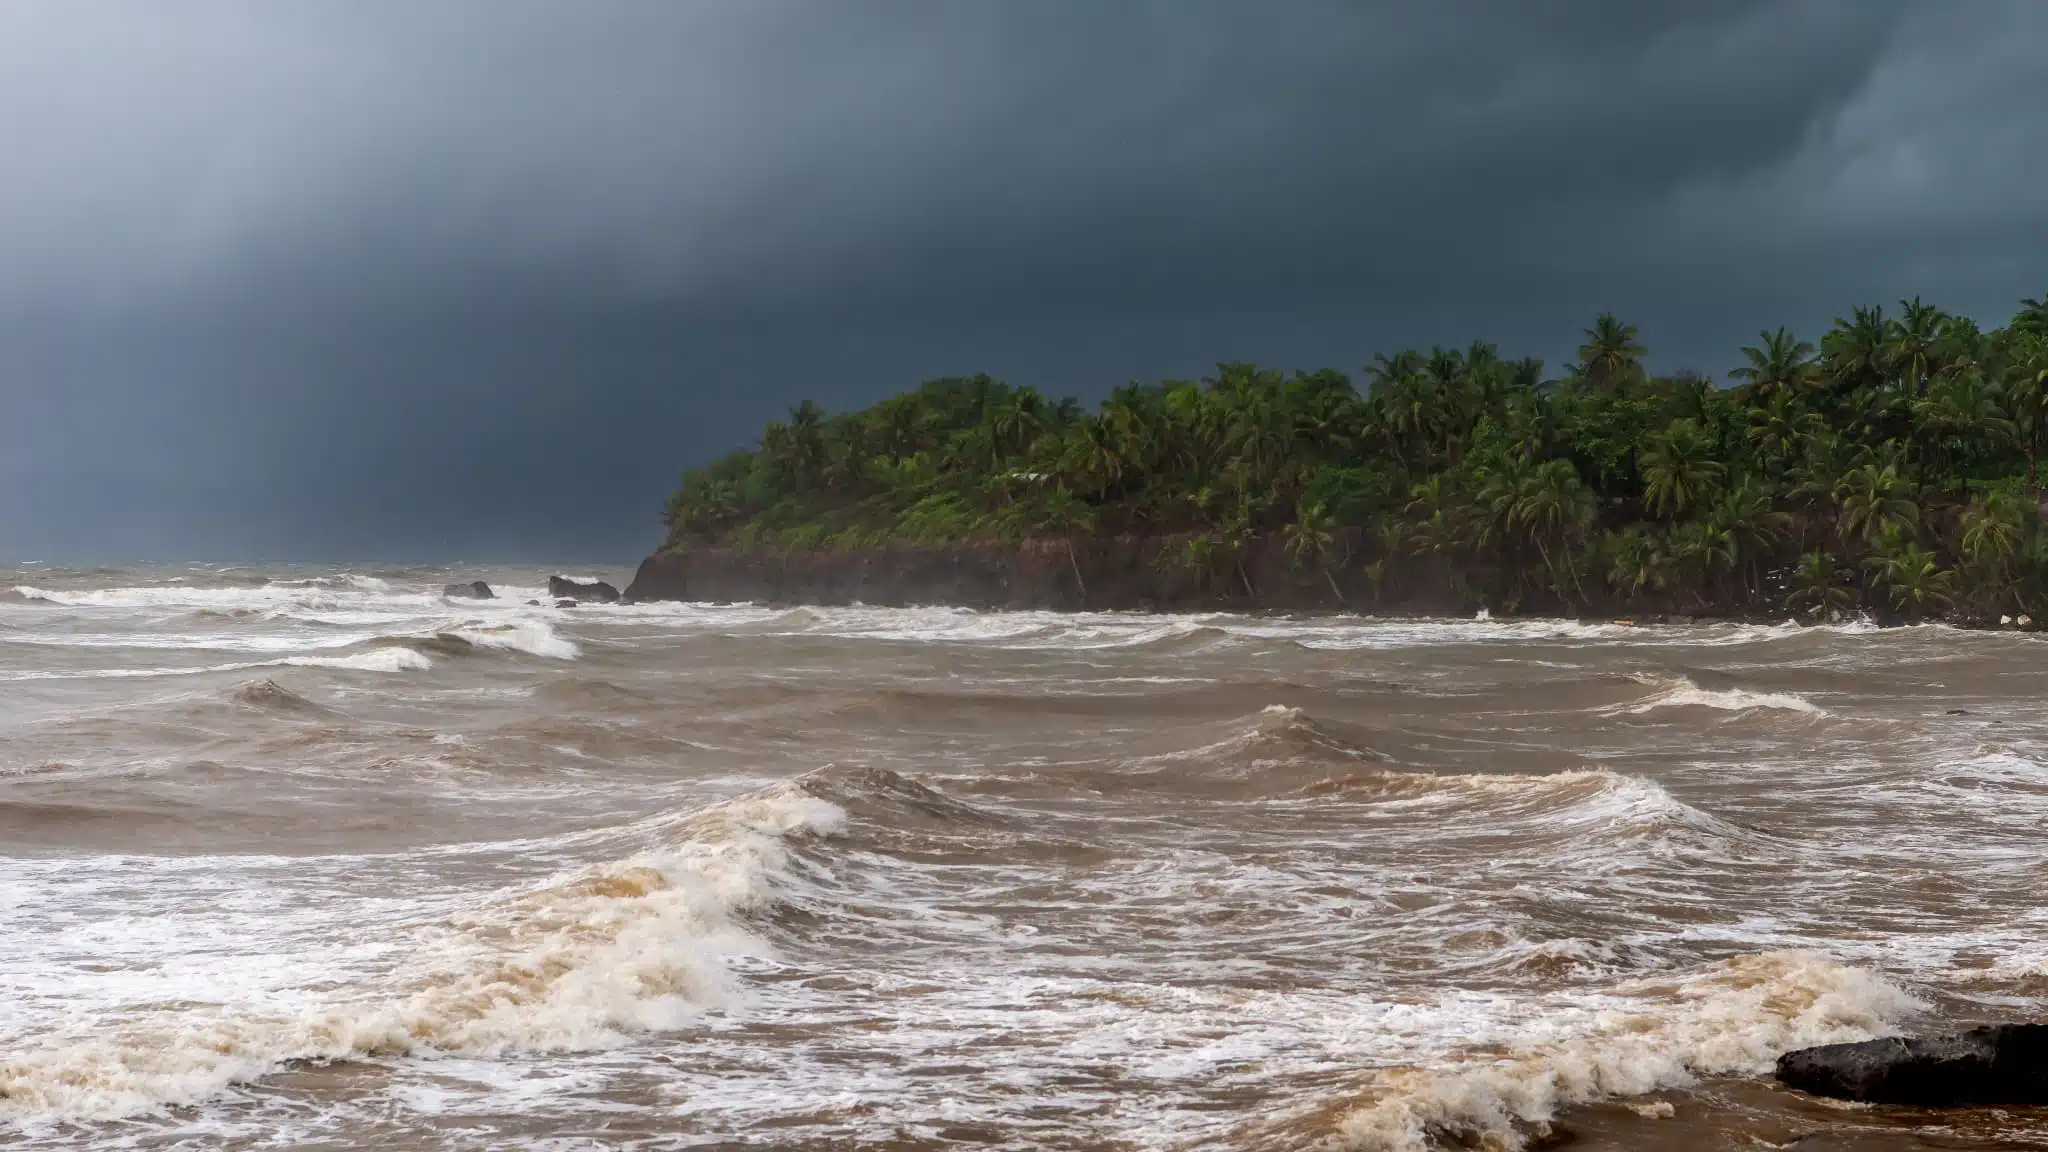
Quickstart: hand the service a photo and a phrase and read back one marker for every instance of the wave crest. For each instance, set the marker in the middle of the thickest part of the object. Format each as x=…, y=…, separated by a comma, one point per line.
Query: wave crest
x=1735, y=1017
x=1681, y=692
x=629, y=946
x=533, y=637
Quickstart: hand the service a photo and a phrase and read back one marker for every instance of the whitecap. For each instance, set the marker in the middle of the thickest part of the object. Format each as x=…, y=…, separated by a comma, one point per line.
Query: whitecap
x=1733, y=1018
x=579, y=962
x=1681, y=692
x=534, y=637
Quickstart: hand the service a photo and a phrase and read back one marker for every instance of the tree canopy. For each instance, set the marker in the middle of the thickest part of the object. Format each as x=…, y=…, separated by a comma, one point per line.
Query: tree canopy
x=1891, y=468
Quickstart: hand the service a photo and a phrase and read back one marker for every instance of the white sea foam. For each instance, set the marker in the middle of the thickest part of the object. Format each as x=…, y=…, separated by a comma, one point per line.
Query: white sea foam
x=392, y=659
x=263, y=597
x=246, y=640
x=580, y=962
x=1105, y=630
x=1680, y=692
x=535, y=637
x=1733, y=1018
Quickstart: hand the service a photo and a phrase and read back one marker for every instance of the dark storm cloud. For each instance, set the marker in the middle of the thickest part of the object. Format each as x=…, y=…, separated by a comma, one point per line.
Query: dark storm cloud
x=354, y=278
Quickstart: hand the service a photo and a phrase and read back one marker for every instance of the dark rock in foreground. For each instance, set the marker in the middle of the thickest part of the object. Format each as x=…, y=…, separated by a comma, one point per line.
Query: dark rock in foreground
x=562, y=588
x=1999, y=1064
x=474, y=590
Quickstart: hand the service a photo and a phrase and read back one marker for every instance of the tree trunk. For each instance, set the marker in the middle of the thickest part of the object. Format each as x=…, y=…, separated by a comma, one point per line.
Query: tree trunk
x=1076, y=565
x=1333, y=584
x=1549, y=567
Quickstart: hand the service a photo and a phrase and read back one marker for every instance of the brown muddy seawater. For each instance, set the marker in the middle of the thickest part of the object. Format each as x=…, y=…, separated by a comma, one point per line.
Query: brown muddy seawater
x=318, y=859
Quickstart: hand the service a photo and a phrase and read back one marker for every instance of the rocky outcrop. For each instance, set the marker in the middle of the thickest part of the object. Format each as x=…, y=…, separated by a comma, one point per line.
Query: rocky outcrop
x=474, y=590
x=2003, y=1064
x=562, y=588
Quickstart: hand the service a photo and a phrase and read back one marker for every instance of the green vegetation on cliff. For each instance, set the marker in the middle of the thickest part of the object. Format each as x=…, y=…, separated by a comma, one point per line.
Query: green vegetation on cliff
x=1892, y=469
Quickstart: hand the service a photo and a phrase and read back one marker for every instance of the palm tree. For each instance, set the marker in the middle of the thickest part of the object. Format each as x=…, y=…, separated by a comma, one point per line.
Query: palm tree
x=1780, y=430
x=1961, y=344
x=1679, y=471
x=1407, y=412
x=1502, y=482
x=1816, y=587
x=1959, y=418
x=1701, y=550
x=1855, y=349
x=1995, y=528
x=1094, y=457
x=1488, y=378
x=2027, y=397
x=1553, y=505
x=1527, y=425
x=1611, y=352
x=1692, y=396
x=1310, y=540
x=1016, y=420
x=1873, y=501
x=803, y=442
x=1825, y=461
x=1637, y=560
x=2033, y=317
x=1909, y=346
x=1781, y=365
x=1753, y=527
x=1911, y=577
x=1063, y=513
x=1258, y=431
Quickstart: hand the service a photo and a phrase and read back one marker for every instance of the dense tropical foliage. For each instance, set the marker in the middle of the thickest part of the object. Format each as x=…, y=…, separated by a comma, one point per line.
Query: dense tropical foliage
x=1894, y=468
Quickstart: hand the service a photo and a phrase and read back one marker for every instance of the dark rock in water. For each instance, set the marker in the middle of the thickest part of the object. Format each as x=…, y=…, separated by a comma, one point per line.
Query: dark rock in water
x=533, y=603
x=475, y=590
x=1998, y=1064
x=1958, y=712
x=565, y=589
x=567, y=603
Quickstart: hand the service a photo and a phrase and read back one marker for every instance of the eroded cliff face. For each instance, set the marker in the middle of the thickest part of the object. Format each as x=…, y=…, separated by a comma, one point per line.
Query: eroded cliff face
x=1098, y=574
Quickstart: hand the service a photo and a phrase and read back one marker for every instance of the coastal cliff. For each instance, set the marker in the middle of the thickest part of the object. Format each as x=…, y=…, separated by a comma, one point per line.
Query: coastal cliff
x=1099, y=574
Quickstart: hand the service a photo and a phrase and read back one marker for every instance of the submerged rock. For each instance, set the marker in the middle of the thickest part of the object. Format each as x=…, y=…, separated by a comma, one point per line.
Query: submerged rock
x=474, y=590
x=562, y=588
x=1997, y=1064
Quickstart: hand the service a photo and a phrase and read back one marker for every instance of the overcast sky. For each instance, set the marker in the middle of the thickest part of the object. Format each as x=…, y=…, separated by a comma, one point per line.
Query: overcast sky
x=476, y=279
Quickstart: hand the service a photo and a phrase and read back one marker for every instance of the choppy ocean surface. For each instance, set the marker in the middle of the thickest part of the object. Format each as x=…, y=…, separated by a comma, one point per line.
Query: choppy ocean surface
x=320, y=859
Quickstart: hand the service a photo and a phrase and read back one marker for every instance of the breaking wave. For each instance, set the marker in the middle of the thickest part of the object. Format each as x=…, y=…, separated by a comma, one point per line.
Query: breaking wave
x=1280, y=732
x=625, y=947
x=326, y=594
x=1681, y=692
x=1565, y=801
x=1733, y=1018
x=533, y=637
x=397, y=658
